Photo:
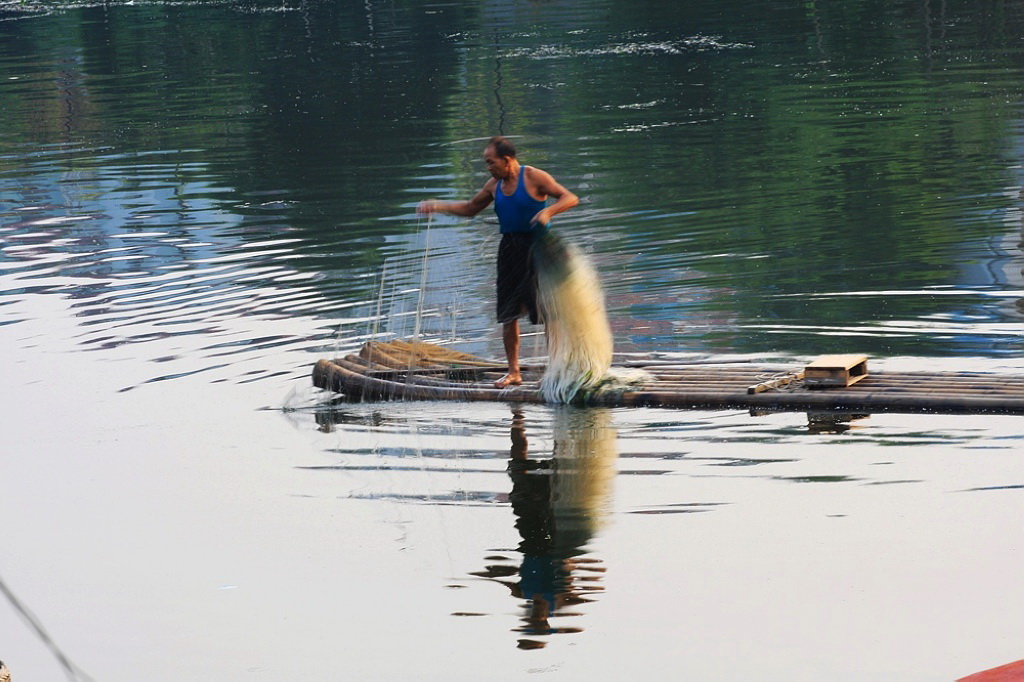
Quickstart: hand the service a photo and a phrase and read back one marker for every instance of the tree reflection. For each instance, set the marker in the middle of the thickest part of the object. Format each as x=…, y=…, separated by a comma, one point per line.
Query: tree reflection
x=559, y=503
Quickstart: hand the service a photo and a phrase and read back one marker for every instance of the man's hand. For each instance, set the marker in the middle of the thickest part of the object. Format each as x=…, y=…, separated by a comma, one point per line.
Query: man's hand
x=547, y=186
x=466, y=209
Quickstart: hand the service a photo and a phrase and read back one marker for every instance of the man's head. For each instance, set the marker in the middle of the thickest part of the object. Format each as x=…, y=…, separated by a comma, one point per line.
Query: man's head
x=498, y=155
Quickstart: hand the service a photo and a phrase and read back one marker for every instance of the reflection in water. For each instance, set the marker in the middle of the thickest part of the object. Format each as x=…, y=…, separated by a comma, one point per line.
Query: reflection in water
x=831, y=421
x=559, y=504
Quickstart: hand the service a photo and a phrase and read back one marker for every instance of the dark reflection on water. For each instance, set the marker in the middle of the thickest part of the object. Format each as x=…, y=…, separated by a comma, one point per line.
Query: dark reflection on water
x=797, y=179
x=834, y=422
x=559, y=503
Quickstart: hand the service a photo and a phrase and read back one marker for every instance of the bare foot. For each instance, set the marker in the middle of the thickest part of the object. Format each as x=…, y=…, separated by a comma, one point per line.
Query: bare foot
x=510, y=379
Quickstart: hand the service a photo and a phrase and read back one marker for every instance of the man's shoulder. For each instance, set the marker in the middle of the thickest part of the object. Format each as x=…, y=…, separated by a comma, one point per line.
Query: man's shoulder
x=538, y=181
x=536, y=174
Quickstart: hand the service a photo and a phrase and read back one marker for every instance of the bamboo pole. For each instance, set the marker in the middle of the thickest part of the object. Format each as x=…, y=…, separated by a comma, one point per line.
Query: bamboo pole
x=399, y=377
x=355, y=383
x=331, y=375
x=421, y=371
x=811, y=400
x=712, y=382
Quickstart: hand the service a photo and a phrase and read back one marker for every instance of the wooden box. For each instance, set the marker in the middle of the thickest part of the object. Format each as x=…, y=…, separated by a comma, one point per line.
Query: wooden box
x=835, y=370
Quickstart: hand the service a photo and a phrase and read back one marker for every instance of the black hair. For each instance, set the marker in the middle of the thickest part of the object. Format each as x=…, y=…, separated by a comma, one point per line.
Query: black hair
x=502, y=146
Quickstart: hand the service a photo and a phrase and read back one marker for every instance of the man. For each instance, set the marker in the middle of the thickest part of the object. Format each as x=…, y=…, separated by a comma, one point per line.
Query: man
x=519, y=194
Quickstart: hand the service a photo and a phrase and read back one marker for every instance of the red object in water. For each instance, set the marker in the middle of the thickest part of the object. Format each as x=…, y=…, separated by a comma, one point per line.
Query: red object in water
x=1011, y=672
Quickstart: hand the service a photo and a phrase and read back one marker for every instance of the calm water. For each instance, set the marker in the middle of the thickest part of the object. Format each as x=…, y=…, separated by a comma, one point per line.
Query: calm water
x=199, y=200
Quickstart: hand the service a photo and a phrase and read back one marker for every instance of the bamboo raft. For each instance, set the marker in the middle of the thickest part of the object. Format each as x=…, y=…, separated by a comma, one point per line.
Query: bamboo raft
x=399, y=370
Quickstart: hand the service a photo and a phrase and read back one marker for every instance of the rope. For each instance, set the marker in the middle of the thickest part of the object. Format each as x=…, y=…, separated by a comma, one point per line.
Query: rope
x=73, y=671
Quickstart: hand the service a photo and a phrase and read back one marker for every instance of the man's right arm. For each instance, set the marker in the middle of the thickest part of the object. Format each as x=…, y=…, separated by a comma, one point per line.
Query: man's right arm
x=466, y=209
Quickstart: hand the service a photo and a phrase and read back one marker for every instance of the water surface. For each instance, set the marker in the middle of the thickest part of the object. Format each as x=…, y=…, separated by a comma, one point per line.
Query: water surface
x=199, y=200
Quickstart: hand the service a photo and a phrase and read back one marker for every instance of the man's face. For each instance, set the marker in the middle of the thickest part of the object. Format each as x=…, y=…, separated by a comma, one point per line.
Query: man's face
x=497, y=166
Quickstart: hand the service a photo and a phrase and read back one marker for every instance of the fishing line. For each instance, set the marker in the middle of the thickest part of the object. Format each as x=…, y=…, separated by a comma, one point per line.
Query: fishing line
x=72, y=670
x=380, y=300
x=497, y=84
x=423, y=282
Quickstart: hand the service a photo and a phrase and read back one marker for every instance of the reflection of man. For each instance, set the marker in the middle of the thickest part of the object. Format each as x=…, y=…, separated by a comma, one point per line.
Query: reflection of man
x=556, y=503
x=542, y=576
x=519, y=194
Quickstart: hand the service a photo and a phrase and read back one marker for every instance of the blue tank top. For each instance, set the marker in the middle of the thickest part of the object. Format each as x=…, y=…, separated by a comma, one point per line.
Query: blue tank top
x=515, y=212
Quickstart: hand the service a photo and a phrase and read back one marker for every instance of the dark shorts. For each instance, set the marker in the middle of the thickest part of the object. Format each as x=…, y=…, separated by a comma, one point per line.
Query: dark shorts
x=517, y=280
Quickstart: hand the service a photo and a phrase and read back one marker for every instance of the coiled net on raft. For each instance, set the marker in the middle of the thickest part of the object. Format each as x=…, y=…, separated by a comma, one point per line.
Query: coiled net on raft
x=571, y=304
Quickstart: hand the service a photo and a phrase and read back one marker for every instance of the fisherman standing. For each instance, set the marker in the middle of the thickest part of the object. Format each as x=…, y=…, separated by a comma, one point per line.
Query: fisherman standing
x=520, y=196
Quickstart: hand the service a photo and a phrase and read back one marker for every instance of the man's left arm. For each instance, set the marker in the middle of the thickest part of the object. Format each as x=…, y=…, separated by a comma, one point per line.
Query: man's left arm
x=547, y=185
